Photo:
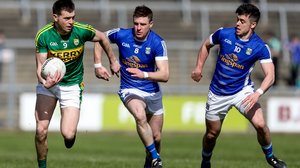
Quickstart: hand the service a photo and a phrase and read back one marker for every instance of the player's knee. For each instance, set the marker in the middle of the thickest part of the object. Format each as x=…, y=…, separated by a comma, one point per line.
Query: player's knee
x=211, y=135
x=262, y=128
x=157, y=136
x=68, y=134
x=41, y=133
x=141, y=120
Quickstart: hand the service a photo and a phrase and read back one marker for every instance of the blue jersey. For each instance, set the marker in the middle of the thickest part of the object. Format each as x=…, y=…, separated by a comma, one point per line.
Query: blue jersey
x=236, y=60
x=138, y=54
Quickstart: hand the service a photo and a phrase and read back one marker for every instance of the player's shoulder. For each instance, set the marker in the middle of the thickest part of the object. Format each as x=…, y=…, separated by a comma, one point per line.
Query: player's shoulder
x=120, y=31
x=156, y=36
x=255, y=39
x=83, y=26
x=227, y=31
x=44, y=30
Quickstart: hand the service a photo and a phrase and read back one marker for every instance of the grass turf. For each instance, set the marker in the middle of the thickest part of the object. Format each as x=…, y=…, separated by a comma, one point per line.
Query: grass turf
x=124, y=150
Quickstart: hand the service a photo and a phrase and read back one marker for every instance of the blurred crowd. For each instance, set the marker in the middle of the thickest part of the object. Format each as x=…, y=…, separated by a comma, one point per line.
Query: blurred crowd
x=277, y=47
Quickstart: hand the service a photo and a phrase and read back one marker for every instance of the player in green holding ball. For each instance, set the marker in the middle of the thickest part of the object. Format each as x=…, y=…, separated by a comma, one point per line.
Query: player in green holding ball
x=64, y=38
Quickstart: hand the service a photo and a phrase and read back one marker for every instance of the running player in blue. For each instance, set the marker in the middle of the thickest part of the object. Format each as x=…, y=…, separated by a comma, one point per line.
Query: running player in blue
x=240, y=48
x=144, y=63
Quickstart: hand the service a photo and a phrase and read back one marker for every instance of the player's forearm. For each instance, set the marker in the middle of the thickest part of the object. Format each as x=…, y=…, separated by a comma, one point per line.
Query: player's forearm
x=40, y=58
x=97, y=53
x=268, y=69
x=203, y=54
x=39, y=77
x=267, y=83
x=108, y=50
x=158, y=76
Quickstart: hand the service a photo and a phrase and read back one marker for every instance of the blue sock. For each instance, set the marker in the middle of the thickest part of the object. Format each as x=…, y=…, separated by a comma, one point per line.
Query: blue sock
x=268, y=150
x=153, y=152
x=206, y=156
x=42, y=163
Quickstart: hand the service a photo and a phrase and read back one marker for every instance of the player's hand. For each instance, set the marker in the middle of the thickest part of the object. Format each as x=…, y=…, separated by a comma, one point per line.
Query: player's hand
x=196, y=75
x=102, y=73
x=135, y=72
x=50, y=81
x=250, y=101
x=115, y=68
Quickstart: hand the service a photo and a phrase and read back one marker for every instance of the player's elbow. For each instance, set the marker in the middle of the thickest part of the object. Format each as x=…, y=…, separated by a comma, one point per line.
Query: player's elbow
x=272, y=80
x=165, y=77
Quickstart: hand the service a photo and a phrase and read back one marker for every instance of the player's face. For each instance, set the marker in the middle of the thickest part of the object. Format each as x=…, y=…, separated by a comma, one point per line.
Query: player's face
x=142, y=26
x=64, y=22
x=244, y=26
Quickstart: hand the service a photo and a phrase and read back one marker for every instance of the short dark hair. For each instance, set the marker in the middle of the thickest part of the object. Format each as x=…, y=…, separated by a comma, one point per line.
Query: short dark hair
x=143, y=11
x=249, y=9
x=61, y=5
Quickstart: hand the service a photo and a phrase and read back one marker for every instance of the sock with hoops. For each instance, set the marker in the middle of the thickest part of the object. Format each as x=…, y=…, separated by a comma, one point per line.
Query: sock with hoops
x=268, y=150
x=206, y=156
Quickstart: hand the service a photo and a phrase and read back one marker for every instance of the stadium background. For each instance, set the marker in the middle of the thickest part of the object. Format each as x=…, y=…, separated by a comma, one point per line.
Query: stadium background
x=182, y=23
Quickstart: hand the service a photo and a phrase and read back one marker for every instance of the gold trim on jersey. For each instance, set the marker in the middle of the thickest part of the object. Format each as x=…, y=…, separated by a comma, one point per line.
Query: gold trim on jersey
x=84, y=26
x=42, y=30
x=66, y=55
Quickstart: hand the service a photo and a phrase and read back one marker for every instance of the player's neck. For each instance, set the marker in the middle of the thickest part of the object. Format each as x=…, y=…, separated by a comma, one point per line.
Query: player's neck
x=247, y=36
x=60, y=30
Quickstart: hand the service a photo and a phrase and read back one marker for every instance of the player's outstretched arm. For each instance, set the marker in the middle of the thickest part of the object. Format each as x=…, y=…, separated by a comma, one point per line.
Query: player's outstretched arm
x=104, y=44
x=100, y=71
x=202, y=56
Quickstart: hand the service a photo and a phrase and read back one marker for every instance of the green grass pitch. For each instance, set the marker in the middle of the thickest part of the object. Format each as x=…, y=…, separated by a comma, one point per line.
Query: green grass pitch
x=124, y=150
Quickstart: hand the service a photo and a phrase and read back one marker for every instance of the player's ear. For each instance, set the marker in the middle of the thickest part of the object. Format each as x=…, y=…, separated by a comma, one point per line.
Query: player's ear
x=55, y=17
x=253, y=25
x=151, y=24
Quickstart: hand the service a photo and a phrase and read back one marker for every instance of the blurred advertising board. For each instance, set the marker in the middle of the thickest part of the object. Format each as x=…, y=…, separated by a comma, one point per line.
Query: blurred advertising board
x=284, y=114
x=90, y=116
x=182, y=113
x=106, y=112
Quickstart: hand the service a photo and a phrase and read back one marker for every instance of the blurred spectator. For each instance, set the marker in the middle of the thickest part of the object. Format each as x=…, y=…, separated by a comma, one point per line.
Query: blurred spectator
x=294, y=48
x=276, y=49
x=2, y=40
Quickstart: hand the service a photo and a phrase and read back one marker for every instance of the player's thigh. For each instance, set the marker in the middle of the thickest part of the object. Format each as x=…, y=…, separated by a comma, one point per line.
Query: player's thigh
x=217, y=107
x=137, y=108
x=69, y=119
x=44, y=107
x=256, y=116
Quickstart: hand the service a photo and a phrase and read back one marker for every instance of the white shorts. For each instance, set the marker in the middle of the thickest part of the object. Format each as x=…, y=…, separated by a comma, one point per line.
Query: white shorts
x=217, y=106
x=68, y=96
x=153, y=100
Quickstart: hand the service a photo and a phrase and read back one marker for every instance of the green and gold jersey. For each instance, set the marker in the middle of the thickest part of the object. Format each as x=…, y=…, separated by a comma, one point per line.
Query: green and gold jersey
x=69, y=48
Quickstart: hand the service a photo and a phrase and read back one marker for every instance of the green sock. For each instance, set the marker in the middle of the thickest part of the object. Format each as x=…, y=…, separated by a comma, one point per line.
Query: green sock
x=42, y=163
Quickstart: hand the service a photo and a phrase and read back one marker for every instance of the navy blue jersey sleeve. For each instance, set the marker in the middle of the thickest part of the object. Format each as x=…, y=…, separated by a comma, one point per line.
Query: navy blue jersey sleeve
x=265, y=54
x=113, y=35
x=161, y=51
x=216, y=36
